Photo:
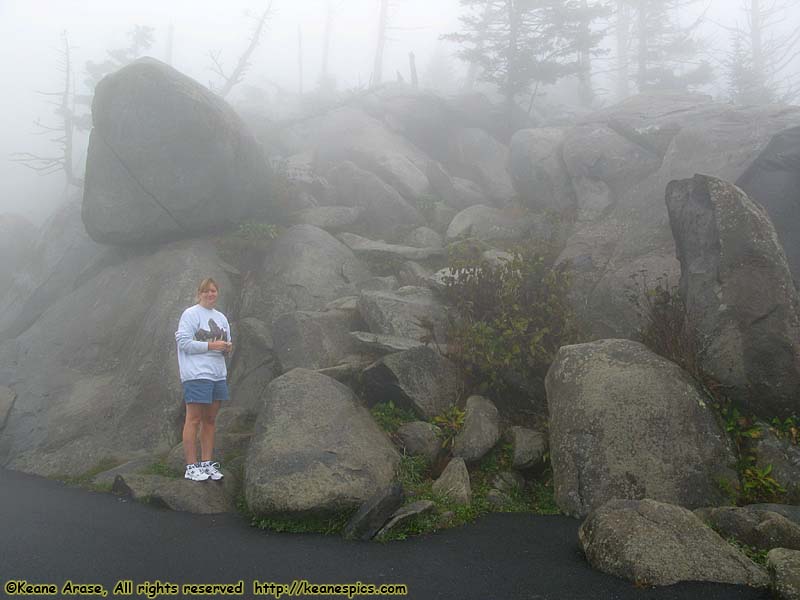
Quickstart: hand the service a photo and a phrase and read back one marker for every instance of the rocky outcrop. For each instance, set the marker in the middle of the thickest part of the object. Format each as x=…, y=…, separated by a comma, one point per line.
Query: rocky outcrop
x=315, y=449
x=402, y=313
x=108, y=348
x=773, y=180
x=486, y=223
x=761, y=529
x=538, y=170
x=620, y=161
x=739, y=294
x=419, y=379
x=473, y=154
x=652, y=543
x=178, y=493
x=17, y=237
x=314, y=340
x=168, y=159
x=784, y=572
x=627, y=423
x=305, y=269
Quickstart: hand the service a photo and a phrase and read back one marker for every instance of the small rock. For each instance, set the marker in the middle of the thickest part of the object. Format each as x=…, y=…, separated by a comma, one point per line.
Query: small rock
x=420, y=438
x=454, y=482
x=406, y=512
x=529, y=448
x=376, y=511
x=480, y=432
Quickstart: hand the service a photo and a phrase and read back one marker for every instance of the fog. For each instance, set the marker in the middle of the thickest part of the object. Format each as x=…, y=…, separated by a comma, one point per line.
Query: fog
x=30, y=42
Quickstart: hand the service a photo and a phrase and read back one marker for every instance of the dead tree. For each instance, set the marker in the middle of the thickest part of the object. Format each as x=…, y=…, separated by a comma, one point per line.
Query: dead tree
x=243, y=64
x=64, y=131
x=377, y=68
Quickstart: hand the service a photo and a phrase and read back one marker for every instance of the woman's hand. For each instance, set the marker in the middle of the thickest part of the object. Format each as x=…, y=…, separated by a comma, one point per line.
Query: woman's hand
x=220, y=345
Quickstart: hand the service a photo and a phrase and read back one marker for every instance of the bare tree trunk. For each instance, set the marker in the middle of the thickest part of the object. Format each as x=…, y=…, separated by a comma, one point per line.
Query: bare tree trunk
x=623, y=31
x=68, y=111
x=377, y=68
x=511, y=58
x=412, y=65
x=299, y=60
x=244, y=59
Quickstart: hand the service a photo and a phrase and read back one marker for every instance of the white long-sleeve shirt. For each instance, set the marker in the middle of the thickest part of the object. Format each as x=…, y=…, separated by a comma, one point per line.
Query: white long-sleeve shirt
x=197, y=327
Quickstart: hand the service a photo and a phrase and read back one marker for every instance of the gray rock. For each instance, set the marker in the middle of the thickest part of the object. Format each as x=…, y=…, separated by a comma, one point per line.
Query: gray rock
x=398, y=171
x=401, y=312
x=384, y=343
x=349, y=303
x=784, y=571
x=329, y=218
x=413, y=274
x=627, y=423
x=424, y=237
x=443, y=215
x=480, y=432
x=385, y=212
x=167, y=159
x=199, y=497
x=508, y=482
x=61, y=255
x=381, y=284
x=538, y=170
x=299, y=172
x=115, y=394
x=253, y=364
x=7, y=397
x=457, y=193
x=497, y=498
x=486, y=223
x=475, y=155
x=369, y=249
x=305, y=269
x=791, y=512
x=782, y=457
x=314, y=340
x=17, y=238
x=419, y=379
x=374, y=513
x=127, y=468
x=454, y=482
x=739, y=293
x=420, y=438
x=771, y=181
x=757, y=528
x=653, y=543
x=406, y=512
x=529, y=448
x=315, y=449
x=663, y=137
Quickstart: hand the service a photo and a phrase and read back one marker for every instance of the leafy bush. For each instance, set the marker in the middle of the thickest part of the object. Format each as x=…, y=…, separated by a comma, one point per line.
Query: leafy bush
x=390, y=417
x=449, y=423
x=511, y=319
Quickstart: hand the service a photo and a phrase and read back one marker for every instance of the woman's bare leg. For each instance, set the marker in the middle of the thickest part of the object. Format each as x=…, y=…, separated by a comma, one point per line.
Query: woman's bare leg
x=208, y=428
x=194, y=417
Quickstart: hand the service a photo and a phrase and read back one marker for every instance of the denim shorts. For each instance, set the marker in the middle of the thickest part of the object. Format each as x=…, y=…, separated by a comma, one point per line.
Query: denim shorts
x=204, y=391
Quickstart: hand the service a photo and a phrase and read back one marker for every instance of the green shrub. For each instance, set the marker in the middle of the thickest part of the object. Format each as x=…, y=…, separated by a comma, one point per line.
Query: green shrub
x=390, y=417
x=510, y=320
x=449, y=423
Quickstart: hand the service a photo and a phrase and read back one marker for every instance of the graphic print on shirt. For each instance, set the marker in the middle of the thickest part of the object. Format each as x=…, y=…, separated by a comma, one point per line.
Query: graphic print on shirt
x=213, y=334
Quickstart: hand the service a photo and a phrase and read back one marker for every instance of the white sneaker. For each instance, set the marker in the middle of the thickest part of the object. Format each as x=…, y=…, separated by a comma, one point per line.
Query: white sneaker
x=195, y=473
x=212, y=470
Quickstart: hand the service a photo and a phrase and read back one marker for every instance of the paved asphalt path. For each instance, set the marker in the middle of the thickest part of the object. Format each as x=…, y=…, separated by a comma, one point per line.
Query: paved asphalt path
x=50, y=532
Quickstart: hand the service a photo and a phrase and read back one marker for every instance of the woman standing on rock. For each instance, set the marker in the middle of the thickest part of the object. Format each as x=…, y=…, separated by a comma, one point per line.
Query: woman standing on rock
x=203, y=338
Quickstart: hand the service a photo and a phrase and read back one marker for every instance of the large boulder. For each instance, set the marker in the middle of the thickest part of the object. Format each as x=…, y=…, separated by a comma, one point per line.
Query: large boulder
x=773, y=180
x=487, y=223
x=17, y=237
x=403, y=312
x=61, y=254
x=739, y=294
x=784, y=572
x=108, y=350
x=653, y=543
x=314, y=340
x=419, y=379
x=477, y=156
x=538, y=170
x=167, y=159
x=385, y=212
x=620, y=177
x=315, y=450
x=305, y=269
x=627, y=423
x=754, y=527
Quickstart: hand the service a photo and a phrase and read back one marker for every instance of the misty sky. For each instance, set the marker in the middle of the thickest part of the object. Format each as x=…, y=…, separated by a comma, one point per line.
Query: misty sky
x=30, y=33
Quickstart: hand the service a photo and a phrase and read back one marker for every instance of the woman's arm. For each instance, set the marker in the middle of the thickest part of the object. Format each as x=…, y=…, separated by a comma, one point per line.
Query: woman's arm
x=185, y=338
